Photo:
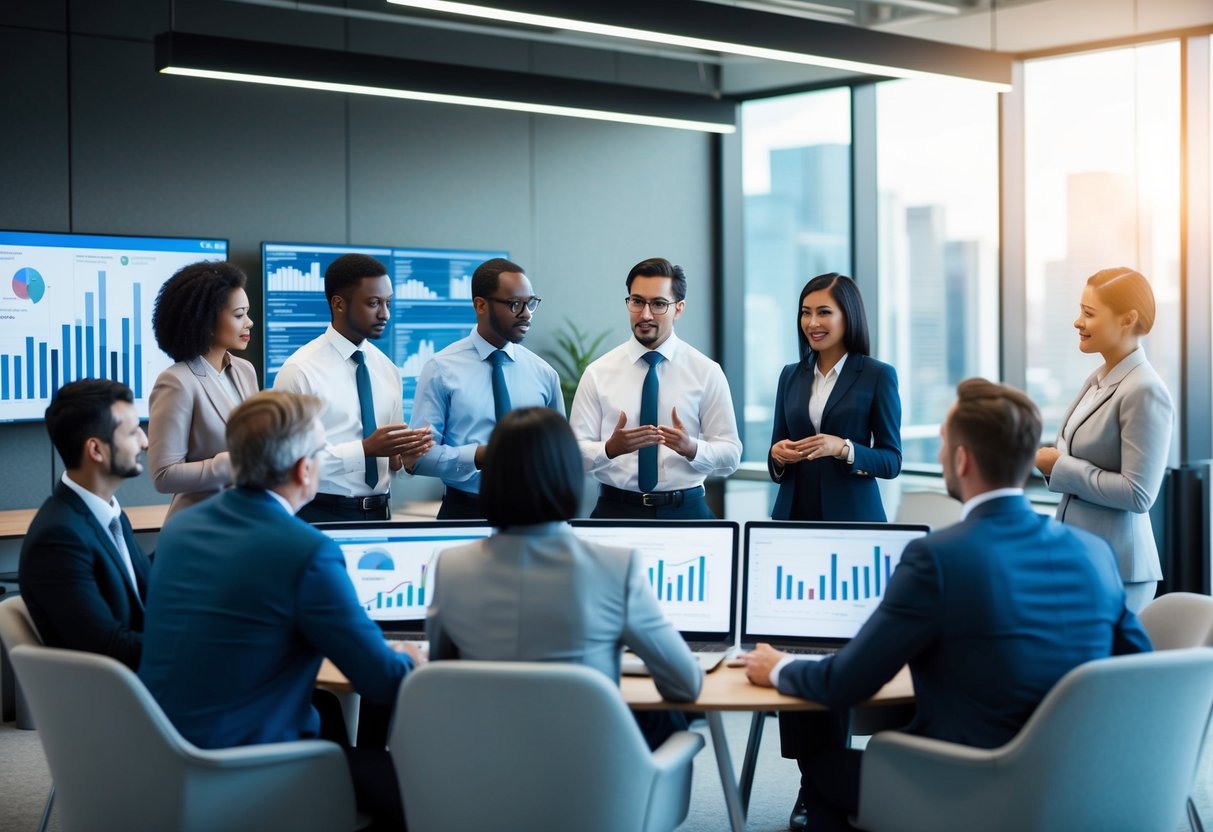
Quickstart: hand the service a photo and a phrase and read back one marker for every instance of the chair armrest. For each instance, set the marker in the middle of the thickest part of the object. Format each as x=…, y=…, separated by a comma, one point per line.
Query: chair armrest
x=670, y=796
x=677, y=750
x=251, y=756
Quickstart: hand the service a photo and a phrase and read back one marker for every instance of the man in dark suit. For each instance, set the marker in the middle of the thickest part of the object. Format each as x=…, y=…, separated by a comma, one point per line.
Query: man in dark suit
x=82, y=574
x=988, y=613
x=246, y=600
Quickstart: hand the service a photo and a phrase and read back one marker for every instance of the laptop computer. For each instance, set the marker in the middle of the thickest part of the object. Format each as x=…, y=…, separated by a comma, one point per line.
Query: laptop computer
x=809, y=587
x=390, y=563
x=692, y=567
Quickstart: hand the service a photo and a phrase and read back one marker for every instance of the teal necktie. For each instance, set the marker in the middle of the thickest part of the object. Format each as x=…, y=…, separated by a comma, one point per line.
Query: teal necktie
x=366, y=403
x=648, y=416
x=501, y=394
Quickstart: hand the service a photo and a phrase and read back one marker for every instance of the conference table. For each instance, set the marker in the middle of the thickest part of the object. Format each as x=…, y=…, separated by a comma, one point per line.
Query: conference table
x=724, y=689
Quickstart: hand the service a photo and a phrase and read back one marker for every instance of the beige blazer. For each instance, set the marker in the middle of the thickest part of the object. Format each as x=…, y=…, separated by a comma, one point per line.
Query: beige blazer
x=1117, y=456
x=187, y=448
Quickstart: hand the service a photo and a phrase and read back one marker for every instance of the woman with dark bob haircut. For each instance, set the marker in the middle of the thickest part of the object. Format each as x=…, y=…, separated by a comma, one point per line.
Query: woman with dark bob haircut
x=1111, y=452
x=534, y=591
x=837, y=413
x=201, y=315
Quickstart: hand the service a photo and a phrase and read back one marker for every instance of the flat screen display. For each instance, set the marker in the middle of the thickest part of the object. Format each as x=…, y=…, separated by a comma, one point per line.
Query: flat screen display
x=432, y=307
x=76, y=306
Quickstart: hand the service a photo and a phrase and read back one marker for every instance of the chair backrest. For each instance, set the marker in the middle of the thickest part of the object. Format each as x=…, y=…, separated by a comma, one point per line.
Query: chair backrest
x=518, y=745
x=934, y=508
x=1179, y=619
x=16, y=627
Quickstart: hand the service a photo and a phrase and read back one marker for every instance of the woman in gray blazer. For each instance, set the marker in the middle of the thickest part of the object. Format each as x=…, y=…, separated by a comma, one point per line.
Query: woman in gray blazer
x=536, y=592
x=1114, y=441
x=201, y=315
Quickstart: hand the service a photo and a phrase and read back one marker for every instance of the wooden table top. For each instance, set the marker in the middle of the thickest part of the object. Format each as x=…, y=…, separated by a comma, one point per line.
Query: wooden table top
x=15, y=523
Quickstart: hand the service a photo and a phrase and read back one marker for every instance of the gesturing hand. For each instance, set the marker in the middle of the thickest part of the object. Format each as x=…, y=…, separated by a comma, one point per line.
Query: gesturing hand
x=625, y=440
x=676, y=438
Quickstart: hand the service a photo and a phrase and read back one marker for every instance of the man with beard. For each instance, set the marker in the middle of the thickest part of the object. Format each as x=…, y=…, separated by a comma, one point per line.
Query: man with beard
x=654, y=416
x=82, y=574
x=466, y=388
x=988, y=613
x=364, y=420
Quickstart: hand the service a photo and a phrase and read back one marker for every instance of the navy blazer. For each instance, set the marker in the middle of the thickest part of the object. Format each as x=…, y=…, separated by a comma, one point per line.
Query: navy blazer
x=245, y=602
x=863, y=407
x=75, y=582
x=989, y=614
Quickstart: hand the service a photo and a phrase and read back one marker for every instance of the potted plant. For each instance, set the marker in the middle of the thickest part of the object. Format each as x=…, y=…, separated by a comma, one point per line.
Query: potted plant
x=577, y=349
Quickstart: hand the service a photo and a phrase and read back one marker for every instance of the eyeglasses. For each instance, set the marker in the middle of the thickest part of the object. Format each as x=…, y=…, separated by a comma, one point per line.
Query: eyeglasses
x=515, y=304
x=658, y=306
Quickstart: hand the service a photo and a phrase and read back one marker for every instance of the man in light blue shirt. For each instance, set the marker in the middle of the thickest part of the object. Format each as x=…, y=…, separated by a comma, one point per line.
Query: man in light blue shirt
x=464, y=389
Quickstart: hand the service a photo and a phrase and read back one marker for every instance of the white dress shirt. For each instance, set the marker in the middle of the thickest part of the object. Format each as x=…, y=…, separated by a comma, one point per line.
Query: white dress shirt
x=106, y=513
x=223, y=380
x=823, y=386
x=690, y=382
x=323, y=368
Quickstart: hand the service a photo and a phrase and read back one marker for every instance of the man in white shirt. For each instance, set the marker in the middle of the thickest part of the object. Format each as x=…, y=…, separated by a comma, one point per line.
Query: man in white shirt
x=364, y=420
x=83, y=575
x=654, y=416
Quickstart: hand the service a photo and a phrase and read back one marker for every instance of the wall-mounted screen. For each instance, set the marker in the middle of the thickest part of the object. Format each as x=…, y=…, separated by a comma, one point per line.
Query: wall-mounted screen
x=78, y=306
x=432, y=307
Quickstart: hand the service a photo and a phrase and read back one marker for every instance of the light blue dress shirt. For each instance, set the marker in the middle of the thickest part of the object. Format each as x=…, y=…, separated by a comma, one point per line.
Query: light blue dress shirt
x=455, y=398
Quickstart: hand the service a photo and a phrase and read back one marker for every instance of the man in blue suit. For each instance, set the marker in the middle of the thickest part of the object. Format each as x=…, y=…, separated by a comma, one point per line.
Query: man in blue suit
x=988, y=613
x=82, y=574
x=246, y=600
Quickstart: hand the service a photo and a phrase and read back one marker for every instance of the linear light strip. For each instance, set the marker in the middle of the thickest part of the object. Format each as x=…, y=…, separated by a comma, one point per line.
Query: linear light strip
x=468, y=101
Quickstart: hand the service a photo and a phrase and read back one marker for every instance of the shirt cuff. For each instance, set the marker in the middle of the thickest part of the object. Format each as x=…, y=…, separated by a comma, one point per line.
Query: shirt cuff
x=778, y=668
x=850, y=451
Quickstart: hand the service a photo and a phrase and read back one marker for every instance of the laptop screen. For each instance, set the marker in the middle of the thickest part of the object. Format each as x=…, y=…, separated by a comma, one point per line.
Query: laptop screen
x=691, y=565
x=817, y=583
x=390, y=564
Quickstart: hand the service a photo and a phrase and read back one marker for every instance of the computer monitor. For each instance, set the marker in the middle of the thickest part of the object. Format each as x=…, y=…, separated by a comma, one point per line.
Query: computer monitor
x=76, y=306
x=816, y=583
x=691, y=565
x=390, y=564
x=432, y=307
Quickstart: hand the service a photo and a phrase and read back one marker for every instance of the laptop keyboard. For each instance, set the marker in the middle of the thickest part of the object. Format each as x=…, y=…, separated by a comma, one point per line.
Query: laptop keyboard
x=810, y=651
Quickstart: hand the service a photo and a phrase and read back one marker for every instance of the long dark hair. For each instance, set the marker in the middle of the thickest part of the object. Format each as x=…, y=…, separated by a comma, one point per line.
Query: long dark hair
x=846, y=294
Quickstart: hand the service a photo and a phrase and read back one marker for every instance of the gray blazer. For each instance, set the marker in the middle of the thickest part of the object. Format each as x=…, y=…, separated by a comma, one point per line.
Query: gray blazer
x=187, y=447
x=1117, y=455
x=539, y=593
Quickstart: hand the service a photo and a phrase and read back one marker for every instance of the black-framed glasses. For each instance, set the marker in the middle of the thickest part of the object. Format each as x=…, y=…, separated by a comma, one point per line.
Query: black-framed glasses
x=515, y=304
x=659, y=306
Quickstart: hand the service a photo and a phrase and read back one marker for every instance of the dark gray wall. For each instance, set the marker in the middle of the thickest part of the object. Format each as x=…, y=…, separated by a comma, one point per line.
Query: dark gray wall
x=97, y=141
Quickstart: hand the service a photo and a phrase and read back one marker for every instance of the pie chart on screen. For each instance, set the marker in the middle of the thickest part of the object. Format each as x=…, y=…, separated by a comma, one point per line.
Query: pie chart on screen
x=29, y=285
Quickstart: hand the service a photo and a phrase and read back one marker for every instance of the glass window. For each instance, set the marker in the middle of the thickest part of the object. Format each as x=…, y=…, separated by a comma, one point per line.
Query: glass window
x=1102, y=163
x=796, y=173
x=937, y=181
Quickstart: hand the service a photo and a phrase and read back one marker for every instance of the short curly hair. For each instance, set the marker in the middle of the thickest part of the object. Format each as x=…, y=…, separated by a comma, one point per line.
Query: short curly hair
x=189, y=304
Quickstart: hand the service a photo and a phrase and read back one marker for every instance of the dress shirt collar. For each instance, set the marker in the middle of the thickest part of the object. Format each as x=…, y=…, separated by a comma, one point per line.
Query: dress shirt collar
x=484, y=349
x=986, y=497
x=669, y=348
x=835, y=371
x=344, y=346
x=103, y=511
x=281, y=501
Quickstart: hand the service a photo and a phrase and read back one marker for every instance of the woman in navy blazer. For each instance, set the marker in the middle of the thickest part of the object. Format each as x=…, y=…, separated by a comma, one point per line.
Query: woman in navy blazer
x=826, y=455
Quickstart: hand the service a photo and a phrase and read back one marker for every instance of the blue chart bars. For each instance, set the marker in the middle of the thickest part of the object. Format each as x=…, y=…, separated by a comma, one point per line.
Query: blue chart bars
x=837, y=586
x=687, y=585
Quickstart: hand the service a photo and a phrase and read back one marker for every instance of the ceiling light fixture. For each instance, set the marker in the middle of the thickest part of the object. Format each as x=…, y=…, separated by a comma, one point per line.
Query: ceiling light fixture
x=279, y=65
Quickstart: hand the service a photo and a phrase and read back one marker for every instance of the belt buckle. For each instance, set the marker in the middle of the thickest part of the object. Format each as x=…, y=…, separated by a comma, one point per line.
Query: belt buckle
x=644, y=500
x=366, y=502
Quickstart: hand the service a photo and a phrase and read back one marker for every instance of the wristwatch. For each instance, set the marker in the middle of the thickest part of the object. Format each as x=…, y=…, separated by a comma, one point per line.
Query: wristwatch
x=850, y=450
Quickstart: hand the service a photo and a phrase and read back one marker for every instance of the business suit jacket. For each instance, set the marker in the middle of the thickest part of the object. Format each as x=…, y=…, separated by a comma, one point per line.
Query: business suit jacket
x=1117, y=456
x=864, y=407
x=75, y=582
x=245, y=601
x=989, y=614
x=540, y=593
x=186, y=429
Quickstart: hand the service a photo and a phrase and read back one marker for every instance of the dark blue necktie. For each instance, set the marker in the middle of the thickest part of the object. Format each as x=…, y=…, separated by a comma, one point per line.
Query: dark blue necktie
x=366, y=403
x=648, y=416
x=501, y=394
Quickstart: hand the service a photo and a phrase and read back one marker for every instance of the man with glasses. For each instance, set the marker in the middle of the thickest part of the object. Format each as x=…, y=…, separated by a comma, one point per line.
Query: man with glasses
x=467, y=387
x=654, y=416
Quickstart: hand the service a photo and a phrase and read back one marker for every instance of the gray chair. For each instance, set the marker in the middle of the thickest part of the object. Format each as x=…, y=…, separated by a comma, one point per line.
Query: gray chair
x=16, y=629
x=1114, y=746
x=529, y=746
x=1179, y=619
x=118, y=763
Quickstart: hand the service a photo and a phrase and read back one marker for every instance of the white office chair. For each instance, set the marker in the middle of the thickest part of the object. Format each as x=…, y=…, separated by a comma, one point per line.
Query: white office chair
x=1114, y=746
x=934, y=508
x=16, y=629
x=517, y=746
x=118, y=763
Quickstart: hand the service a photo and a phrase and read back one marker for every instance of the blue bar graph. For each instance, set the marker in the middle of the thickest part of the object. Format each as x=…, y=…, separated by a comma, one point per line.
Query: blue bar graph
x=863, y=583
x=670, y=587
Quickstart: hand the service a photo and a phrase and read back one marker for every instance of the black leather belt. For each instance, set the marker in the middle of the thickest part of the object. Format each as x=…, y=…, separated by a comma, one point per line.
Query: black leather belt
x=463, y=498
x=371, y=503
x=653, y=499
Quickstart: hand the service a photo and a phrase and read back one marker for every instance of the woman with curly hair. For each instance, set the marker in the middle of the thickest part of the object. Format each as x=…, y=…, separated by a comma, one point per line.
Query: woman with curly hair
x=201, y=315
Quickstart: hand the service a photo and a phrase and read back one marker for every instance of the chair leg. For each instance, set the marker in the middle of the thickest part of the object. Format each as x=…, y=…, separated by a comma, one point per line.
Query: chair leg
x=1194, y=817
x=46, y=813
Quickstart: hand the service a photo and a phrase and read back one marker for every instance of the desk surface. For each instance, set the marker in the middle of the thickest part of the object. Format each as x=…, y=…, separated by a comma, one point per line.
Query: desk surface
x=143, y=519
x=724, y=689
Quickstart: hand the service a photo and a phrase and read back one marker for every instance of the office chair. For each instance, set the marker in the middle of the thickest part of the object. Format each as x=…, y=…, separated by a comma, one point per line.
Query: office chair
x=1113, y=746
x=118, y=763
x=17, y=628
x=527, y=746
